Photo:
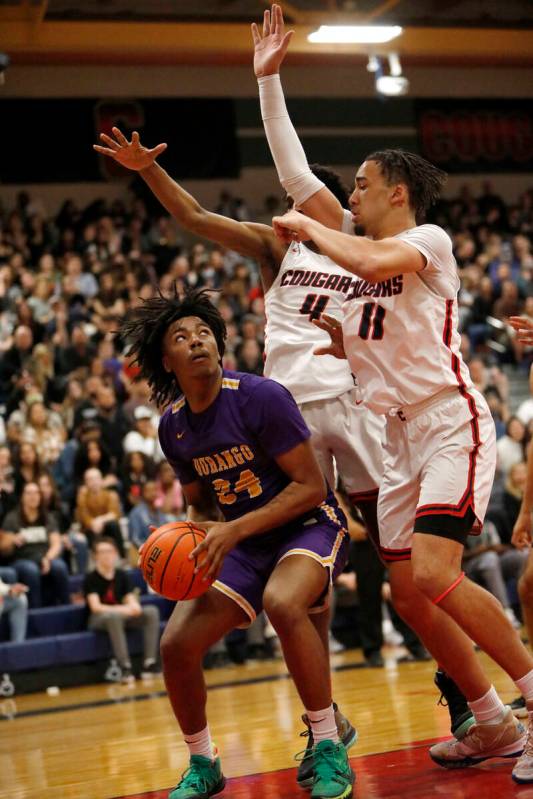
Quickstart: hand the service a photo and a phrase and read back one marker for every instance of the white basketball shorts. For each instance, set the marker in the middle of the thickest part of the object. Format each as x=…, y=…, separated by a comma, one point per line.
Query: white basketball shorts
x=439, y=459
x=346, y=435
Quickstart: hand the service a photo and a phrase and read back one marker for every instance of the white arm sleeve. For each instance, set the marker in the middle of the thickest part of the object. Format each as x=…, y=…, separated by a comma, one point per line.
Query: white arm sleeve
x=288, y=154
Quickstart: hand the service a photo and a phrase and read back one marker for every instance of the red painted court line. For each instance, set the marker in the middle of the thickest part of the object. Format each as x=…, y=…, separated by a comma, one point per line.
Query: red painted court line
x=402, y=774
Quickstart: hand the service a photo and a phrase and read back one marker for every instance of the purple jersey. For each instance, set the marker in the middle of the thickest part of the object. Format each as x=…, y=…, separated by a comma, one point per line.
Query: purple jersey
x=231, y=447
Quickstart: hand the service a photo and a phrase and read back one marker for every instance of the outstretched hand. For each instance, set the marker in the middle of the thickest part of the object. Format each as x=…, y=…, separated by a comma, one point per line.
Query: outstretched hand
x=522, y=531
x=524, y=328
x=131, y=154
x=333, y=328
x=271, y=46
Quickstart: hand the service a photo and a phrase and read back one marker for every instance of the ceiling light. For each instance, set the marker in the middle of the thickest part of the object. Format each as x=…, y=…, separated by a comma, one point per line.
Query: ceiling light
x=373, y=63
x=355, y=34
x=392, y=85
x=395, y=84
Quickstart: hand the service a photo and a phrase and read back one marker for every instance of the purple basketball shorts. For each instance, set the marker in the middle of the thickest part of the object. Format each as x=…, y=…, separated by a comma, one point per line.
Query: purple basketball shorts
x=247, y=568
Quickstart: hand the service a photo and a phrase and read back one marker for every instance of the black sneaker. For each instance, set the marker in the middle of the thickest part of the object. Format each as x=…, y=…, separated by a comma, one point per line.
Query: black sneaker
x=347, y=736
x=417, y=653
x=128, y=677
x=518, y=706
x=215, y=660
x=374, y=660
x=461, y=717
x=150, y=669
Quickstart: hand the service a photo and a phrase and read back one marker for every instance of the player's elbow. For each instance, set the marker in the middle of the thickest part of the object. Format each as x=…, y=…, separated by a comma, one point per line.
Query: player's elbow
x=316, y=491
x=191, y=219
x=369, y=268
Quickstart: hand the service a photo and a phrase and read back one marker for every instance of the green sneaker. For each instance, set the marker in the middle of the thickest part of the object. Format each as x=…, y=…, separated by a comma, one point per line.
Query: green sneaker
x=347, y=734
x=333, y=778
x=201, y=780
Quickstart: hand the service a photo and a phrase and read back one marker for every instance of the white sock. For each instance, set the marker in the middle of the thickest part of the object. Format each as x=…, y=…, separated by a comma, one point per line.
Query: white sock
x=489, y=709
x=200, y=743
x=323, y=725
x=525, y=686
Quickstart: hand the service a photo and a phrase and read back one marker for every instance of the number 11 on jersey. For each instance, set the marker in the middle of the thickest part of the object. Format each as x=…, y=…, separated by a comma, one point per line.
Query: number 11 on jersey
x=372, y=321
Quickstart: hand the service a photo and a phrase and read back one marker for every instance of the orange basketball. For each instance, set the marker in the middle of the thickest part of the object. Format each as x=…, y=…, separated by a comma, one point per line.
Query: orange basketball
x=165, y=561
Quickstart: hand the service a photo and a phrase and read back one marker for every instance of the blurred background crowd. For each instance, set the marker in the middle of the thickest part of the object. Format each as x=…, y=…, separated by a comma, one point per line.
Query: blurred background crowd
x=79, y=453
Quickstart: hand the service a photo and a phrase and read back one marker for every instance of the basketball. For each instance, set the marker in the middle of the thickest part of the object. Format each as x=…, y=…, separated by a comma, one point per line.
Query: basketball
x=165, y=561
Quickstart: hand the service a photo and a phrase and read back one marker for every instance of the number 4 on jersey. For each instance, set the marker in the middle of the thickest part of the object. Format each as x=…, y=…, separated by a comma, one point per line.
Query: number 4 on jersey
x=314, y=305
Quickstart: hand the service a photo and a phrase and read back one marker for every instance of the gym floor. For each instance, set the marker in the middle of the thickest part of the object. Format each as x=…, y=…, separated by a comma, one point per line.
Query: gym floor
x=111, y=741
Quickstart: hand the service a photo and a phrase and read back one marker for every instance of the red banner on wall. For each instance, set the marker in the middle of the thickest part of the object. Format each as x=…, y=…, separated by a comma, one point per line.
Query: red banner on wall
x=476, y=135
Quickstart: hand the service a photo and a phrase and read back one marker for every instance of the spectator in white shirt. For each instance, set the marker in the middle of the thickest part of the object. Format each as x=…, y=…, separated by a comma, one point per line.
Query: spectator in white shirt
x=511, y=446
x=144, y=438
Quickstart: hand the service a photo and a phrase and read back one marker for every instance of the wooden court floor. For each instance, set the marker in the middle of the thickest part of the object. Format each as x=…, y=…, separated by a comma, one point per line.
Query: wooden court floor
x=105, y=742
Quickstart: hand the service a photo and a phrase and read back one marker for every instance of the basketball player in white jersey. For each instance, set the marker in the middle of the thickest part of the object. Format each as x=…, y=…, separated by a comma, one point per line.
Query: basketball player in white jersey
x=299, y=284
x=400, y=336
x=346, y=437
x=313, y=197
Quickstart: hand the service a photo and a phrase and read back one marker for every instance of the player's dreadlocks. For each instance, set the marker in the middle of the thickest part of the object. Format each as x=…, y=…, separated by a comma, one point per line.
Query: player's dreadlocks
x=423, y=180
x=144, y=328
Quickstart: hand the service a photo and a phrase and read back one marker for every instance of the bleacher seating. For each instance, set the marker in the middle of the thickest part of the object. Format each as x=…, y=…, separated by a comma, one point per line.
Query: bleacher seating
x=58, y=636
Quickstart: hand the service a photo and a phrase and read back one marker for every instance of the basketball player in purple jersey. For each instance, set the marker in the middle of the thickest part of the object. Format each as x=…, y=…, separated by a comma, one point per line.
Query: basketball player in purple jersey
x=298, y=284
x=239, y=446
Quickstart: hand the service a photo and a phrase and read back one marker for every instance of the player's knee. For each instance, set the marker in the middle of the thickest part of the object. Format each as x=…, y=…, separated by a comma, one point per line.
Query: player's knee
x=404, y=604
x=431, y=579
x=525, y=588
x=178, y=648
x=283, y=611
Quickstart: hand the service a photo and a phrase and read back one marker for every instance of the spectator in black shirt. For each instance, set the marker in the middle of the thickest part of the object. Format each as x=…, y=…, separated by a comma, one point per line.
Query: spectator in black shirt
x=28, y=467
x=137, y=469
x=14, y=360
x=94, y=454
x=78, y=353
x=114, y=608
x=113, y=421
x=32, y=542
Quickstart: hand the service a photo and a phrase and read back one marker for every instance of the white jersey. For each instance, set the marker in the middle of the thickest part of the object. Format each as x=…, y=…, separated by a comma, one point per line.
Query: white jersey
x=307, y=285
x=400, y=335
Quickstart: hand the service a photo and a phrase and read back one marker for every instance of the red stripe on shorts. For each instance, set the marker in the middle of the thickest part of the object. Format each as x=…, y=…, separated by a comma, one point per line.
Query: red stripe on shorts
x=467, y=500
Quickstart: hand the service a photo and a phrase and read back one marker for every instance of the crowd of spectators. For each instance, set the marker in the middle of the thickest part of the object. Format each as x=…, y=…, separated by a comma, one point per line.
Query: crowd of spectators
x=79, y=454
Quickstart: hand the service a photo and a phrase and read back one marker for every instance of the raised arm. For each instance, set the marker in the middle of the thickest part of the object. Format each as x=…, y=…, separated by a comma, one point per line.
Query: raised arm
x=309, y=194
x=250, y=239
x=371, y=260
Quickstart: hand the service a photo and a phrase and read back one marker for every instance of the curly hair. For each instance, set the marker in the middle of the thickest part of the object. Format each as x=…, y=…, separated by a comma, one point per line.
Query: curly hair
x=332, y=180
x=144, y=328
x=423, y=180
